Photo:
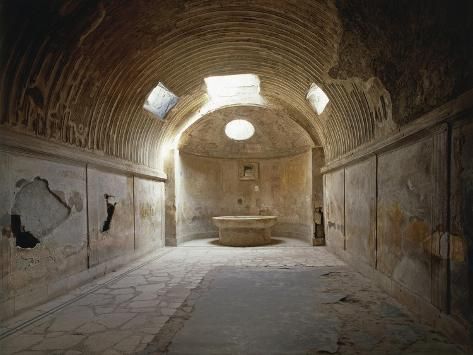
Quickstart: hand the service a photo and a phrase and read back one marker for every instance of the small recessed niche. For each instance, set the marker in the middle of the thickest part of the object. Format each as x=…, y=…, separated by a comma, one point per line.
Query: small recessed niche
x=232, y=85
x=317, y=98
x=239, y=130
x=160, y=101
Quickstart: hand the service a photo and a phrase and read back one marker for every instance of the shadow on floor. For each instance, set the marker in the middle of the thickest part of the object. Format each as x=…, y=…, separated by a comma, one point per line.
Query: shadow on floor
x=274, y=241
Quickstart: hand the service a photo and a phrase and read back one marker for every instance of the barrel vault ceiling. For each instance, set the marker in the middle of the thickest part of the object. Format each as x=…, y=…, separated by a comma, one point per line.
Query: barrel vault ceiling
x=78, y=72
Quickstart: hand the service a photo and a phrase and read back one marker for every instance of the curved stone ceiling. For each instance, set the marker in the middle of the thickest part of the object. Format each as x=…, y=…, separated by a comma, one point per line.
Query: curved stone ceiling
x=275, y=135
x=78, y=72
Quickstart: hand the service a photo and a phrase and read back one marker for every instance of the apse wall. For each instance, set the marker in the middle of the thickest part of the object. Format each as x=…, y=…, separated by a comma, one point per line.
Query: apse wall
x=65, y=222
x=401, y=213
x=208, y=187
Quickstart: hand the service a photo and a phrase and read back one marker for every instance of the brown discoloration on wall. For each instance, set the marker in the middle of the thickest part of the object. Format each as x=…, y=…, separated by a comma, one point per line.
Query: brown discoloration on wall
x=404, y=215
x=418, y=233
x=146, y=210
x=411, y=218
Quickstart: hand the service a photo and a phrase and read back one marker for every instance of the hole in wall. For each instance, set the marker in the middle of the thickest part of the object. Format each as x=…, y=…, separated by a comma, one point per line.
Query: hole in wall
x=24, y=239
x=110, y=211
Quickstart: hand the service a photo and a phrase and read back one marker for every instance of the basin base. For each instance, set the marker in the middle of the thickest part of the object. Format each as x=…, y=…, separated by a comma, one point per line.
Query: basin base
x=247, y=237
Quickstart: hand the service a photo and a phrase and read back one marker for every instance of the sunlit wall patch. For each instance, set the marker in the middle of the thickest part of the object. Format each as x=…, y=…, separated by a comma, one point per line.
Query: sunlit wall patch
x=317, y=98
x=239, y=130
x=232, y=85
x=160, y=101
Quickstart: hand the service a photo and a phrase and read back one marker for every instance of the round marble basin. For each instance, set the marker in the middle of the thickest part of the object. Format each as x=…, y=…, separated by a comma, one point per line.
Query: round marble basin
x=244, y=231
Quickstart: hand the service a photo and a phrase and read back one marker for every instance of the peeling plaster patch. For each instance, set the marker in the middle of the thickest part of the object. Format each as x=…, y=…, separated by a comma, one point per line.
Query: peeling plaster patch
x=110, y=211
x=76, y=201
x=60, y=194
x=20, y=183
x=41, y=210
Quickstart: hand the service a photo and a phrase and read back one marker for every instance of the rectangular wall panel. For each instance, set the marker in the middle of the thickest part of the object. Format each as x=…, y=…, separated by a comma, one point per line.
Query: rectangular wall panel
x=110, y=205
x=149, y=214
x=461, y=222
x=404, y=227
x=47, y=199
x=360, y=210
x=334, y=202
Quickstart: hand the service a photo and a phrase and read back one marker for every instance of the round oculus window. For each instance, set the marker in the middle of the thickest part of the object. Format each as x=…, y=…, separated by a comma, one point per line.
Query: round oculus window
x=239, y=130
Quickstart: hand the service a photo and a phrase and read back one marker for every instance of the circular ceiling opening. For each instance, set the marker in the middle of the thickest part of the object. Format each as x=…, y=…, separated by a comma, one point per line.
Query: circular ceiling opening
x=239, y=130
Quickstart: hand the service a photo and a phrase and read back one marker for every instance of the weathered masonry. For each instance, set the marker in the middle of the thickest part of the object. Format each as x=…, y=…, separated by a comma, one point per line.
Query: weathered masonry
x=352, y=123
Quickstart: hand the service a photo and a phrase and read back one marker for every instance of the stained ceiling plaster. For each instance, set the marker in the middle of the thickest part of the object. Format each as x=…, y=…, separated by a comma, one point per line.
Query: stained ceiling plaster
x=78, y=72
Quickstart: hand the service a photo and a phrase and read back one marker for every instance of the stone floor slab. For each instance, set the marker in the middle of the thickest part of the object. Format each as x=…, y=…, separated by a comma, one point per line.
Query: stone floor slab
x=325, y=305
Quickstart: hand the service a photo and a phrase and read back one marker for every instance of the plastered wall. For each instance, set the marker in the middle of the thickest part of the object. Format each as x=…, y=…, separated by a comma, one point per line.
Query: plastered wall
x=52, y=216
x=207, y=187
x=404, y=217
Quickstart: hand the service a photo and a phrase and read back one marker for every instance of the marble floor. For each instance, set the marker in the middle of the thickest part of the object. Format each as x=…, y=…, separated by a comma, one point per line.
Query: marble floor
x=201, y=298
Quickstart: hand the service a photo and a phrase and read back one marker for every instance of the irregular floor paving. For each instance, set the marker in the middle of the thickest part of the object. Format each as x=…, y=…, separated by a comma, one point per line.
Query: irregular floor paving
x=200, y=298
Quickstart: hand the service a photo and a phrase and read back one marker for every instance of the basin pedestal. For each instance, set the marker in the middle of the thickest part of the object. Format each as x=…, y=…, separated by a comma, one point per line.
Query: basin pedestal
x=244, y=231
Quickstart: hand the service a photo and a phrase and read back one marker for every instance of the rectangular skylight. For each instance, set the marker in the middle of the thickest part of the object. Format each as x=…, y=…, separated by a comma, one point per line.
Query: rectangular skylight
x=160, y=101
x=233, y=85
x=317, y=98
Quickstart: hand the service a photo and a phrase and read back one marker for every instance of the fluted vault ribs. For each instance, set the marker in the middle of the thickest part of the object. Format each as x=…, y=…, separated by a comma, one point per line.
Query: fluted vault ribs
x=79, y=72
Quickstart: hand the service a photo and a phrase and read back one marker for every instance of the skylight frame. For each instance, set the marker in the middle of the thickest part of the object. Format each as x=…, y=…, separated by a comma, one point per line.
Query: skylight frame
x=160, y=101
x=239, y=130
x=235, y=85
x=317, y=98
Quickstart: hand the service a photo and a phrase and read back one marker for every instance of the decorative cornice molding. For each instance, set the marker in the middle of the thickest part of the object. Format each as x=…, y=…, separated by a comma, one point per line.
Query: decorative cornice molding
x=41, y=148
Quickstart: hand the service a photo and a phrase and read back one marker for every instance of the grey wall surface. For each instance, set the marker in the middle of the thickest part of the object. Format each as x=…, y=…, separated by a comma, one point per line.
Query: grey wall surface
x=207, y=187
x=149, y=214
x=360, y=210
x=29, y=273
x=56, y=203
x=389, y=213
x=461, y=222
x=119, y=239
x=334, y=202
